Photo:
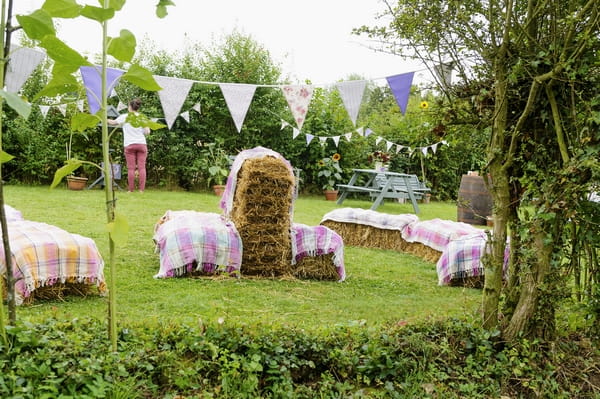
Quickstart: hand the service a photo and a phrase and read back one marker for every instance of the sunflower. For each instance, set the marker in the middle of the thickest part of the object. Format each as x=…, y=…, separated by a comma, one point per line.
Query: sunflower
x=424, y=105
x=321, y=163
x=336, y=157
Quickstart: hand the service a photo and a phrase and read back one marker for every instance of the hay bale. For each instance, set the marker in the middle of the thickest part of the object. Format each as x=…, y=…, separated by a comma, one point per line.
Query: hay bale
x=57, y=291
x=362, y=235
x=261, y=212
x=319, y=267
x=423, y=251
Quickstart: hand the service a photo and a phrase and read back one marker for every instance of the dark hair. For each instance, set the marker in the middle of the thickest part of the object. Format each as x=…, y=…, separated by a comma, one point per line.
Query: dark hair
x=135, y=104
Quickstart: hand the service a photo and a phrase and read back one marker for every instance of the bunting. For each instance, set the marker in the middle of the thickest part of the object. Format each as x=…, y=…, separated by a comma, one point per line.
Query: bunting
x=238, y=98
x=172, y=96
x=298, y=98
x=400, y=85
x=21, y=64
x=44, y=109
x=92, y=80
x=352, y=92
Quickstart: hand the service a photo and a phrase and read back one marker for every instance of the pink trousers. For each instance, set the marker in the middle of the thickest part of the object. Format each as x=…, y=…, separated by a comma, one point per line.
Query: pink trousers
x=135, y=156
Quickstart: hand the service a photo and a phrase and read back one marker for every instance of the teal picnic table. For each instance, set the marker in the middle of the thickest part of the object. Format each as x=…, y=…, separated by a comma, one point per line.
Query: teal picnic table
x=381, y=184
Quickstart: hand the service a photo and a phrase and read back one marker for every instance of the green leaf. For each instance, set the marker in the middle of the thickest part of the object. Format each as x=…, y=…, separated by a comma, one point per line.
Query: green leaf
x=141, y=120
x=22, y=107
x=5, y=157
x=141, y=77
x=70, y=166
x=161, y=8
x=61, y=82
x=98, y=13
x=62, y=8
x=82, y=121
x=122, y=47
x=37, y=24
x=116, y=4
x=118, y=229
x=62, y=54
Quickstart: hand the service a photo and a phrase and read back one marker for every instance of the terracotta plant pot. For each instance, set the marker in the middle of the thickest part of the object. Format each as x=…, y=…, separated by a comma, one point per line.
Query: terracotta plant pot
x=76, y=183
x=219, y=188
x=330, y=195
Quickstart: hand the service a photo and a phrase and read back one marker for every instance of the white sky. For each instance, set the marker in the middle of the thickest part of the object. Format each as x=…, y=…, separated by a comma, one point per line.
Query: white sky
x=310, y=39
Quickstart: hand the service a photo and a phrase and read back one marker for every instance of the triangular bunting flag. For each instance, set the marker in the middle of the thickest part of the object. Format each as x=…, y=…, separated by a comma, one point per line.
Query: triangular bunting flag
x=424, y=150
x=295, y=132
x=121, y=106
x=80, y=105
x=443, y=72
x=172, y=96
x=186, y=116
x=336, y=140
x=22, y=62
x=388, y=145
x=434, y=147
x=298, y=98
x=309, y=138
x=352, y=92
x=360, y=131
x=368, y=132
x=400, y=85
x=62, y=108
x=196, y=108
x=323, y=140
x=284, y=124
x=92, y=81
x=348, y=136
x=238, y=98
x=378, y=140
x=398, y=148
x=44, y=109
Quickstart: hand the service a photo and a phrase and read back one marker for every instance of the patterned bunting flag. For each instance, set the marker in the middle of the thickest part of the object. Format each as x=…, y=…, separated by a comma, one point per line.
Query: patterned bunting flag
x=400, y=85
x=352, y=93
x=298, y=98
x=172, y=96
x=238, y=98
x=22, y=62
x=92, y=80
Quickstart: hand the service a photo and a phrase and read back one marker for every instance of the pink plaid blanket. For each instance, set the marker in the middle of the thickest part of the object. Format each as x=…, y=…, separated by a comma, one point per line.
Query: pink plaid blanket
x=437, y=233
x=462, y=258
x=44, y=255
x=206, y=241
x=315, y=241
x=370, y=218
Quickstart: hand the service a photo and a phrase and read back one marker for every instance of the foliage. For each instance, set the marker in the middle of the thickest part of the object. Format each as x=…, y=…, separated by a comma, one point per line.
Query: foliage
x=330, y=171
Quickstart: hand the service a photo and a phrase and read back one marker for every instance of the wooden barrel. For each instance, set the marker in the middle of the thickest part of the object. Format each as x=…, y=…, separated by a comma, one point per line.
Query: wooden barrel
x=474, y=201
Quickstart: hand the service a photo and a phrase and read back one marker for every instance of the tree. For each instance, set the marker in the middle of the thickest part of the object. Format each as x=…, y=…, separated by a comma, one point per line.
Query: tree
x=528, y=71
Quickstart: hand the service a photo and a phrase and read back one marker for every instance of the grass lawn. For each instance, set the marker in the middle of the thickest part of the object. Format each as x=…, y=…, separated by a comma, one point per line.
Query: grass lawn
x=381, y=286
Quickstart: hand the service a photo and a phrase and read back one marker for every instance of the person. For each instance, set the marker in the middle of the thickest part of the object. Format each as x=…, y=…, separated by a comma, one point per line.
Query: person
x=134, y=142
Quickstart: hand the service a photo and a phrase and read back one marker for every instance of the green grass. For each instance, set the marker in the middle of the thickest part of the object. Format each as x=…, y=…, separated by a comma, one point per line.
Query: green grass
x=381, y=286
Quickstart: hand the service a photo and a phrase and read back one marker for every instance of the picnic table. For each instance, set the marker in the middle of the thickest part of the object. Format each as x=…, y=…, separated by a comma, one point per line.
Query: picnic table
x=383, y=184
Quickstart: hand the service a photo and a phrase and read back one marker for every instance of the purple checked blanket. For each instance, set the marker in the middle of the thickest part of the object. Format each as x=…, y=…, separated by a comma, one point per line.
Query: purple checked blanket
x=462, y=258
x=437, y=233
x=315, y=241
x=370, y=218
x=44, y=255
x=197, y=241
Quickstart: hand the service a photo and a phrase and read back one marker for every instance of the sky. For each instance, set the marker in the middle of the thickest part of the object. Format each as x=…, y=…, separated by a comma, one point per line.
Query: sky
x=309, y=39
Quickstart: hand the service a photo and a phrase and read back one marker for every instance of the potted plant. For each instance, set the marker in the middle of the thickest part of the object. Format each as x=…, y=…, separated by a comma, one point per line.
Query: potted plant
x=380, y=160
x=74, y=182
x=330, y=172
x=219, y=164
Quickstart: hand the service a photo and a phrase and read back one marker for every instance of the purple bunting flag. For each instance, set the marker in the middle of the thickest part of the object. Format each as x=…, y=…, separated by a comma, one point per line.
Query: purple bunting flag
x=92, y=80
x=400, y=85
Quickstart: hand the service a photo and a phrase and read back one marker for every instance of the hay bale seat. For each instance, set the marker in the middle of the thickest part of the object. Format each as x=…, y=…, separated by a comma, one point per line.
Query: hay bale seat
x=317, y=253
x=194, y=243
x=49, y=262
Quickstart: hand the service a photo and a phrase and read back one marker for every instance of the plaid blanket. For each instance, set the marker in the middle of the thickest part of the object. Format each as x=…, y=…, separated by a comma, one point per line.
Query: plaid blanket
x=12, y=215
x=437, y=233
x=370, y=218
x=44, y=255
x=462, y=258
x=188, y=239
x=315, y=241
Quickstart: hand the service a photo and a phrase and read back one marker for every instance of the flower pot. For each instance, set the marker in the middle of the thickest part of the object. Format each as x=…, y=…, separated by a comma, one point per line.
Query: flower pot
x=330, y=195
x=76, y=183
x=218, y=189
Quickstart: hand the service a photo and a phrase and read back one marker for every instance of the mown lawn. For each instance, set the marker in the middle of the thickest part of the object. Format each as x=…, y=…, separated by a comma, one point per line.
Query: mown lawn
x=381, y=286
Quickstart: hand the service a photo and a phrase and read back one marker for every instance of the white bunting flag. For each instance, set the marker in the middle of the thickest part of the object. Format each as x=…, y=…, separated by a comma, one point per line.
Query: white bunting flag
x=360, y=131
x=62, y=108
x=323, y=140
x=434, y=147
x=22, y=61
x=80, y=105
x=121, y=106
x=298, y=98
x=348, y=136
x=295, y=132
x=186, y=116
x=172, y=96
x=378, y=140
x=44, y=109
x=398, y=148
x=336, y=140
x=196, y=108
x=424, y=150
x=388, y=145
x=284, y=124
x=352, y=93
x=238, y=98
x=309, y=138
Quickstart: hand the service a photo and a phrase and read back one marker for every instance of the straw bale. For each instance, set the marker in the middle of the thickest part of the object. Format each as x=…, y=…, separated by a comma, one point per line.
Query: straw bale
x=261, y=212
x=468, y=282
x=57, y=291
x=361, y=235
x=423, y=251
x=319, y=267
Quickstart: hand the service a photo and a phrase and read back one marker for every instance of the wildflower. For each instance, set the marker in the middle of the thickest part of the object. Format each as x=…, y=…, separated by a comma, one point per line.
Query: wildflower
x=424, y=105
x=336, y=157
